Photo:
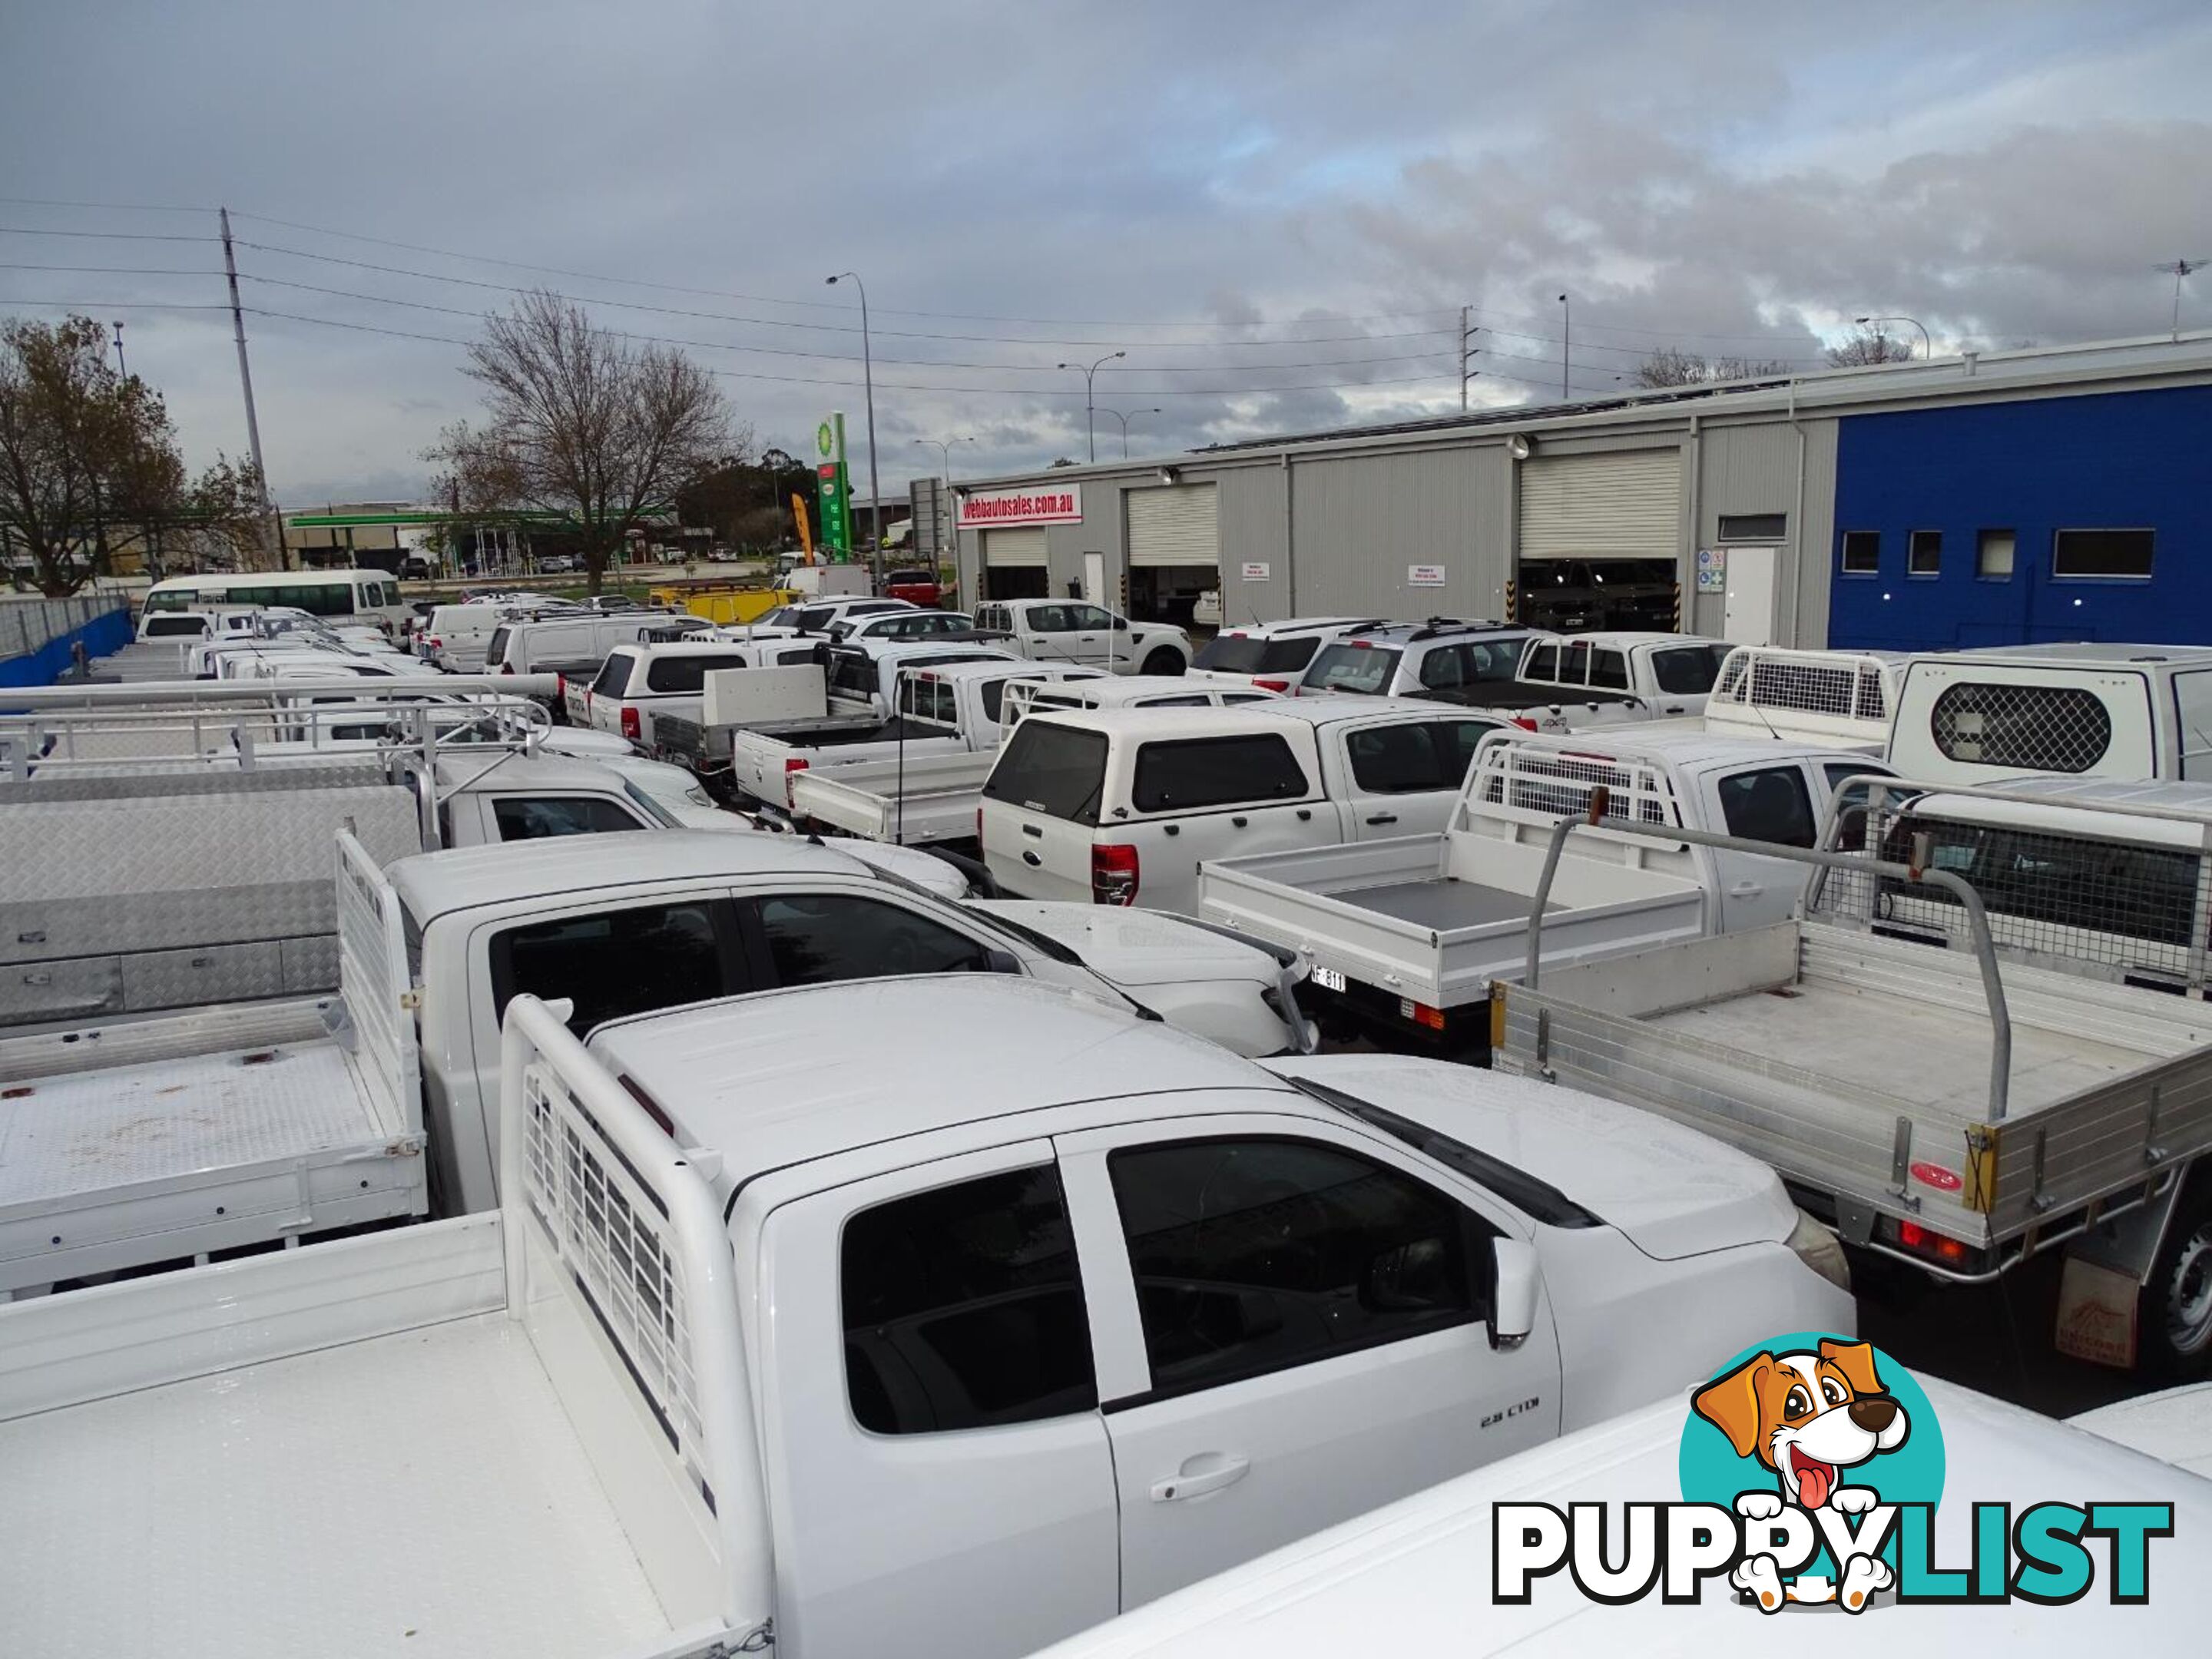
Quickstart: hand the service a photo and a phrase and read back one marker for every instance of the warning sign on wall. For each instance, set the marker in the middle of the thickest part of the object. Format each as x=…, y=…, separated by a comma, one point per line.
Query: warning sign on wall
x=1712, y=570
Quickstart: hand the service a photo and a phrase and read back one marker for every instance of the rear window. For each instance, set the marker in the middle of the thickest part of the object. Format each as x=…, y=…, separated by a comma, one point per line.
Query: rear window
x=496, y=650
x=163, y=627
x=926, y=697
x=852, y=675
x=1240, y=653
x=1053, y=770
x=1609, y=669
x=1352, y=668
x=1193, y=773
x=1687, y=670
x=614, y=676
x=686, y=673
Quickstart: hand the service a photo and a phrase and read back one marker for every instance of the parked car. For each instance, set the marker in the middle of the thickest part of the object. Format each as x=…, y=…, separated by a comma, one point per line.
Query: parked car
x=906, y=625
x=1406, y=936
x=1441, y=656
x=1672, y=674
x=573, y=646
x=1273, y=656
x=1122, y=807
x=815, y=615
x=920, y=587
x=1020, y=1308
x=638, y=682
x=559, y=564
x=1068, y=630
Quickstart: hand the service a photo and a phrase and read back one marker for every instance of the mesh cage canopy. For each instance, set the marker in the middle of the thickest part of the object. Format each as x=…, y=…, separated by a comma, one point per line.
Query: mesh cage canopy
x=1804, y=683
x=1557, y=784
x=2036, y=728
x=2085, y=900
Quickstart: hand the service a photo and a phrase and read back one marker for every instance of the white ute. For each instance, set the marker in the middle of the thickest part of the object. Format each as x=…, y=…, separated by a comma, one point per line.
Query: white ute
x=948, y=1348
x=1068, y=630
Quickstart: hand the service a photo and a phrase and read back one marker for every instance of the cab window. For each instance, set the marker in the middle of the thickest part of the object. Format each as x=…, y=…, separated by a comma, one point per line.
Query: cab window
x=1769, y=804
x=614, y=676
x=521, y=817
x=819, y=939
x=1255, y=1255
x=963, y=1308
x=622, y=962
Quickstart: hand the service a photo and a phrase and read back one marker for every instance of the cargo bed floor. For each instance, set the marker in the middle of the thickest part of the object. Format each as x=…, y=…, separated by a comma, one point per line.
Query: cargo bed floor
x=1442, y=903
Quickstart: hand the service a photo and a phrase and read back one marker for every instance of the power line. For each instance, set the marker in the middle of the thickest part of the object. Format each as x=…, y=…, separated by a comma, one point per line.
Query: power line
x=107, y=235
x=103, y=207
x=119, y=270
x=87, y=307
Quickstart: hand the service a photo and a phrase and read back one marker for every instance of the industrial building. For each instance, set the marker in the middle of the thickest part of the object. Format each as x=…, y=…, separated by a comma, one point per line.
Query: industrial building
x=2046, y=494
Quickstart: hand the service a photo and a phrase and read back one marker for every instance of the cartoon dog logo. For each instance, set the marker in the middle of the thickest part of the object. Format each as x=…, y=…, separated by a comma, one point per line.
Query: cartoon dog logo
x=1808, y=1417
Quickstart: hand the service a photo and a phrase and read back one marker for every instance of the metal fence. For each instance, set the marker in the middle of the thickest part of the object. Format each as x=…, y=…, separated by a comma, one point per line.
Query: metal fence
x=2121, y=892
x=27, y=626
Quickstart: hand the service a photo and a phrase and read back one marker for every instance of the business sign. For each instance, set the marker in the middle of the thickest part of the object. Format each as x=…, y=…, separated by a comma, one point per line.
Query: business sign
x=1425, y=575
x=1712, y=570
x=1254, y=572
x=833, y=485
x=1000, y=509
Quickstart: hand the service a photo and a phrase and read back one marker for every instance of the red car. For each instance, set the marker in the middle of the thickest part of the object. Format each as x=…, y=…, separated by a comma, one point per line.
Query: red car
x=915, y=587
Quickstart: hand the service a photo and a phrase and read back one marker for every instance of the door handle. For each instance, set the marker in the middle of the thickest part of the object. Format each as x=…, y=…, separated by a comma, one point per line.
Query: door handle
x=1746, y=889
x=1383, y=818
x=1034, y=829
x=1207, y=1472
x=1031, y=859
x=1240, y=822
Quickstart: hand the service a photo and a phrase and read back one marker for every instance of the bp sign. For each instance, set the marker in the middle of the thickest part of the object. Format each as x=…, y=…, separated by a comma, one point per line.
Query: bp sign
x=833, y=487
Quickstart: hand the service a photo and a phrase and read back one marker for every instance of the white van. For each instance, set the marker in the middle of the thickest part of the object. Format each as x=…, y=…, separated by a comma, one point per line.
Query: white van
x=374, y=594
x=214, y=622
x=2105, y=711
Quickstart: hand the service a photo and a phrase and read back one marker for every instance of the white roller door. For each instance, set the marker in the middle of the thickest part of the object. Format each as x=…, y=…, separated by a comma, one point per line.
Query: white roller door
x=1014, y=549
x=1627, y=505
x=1179, y=524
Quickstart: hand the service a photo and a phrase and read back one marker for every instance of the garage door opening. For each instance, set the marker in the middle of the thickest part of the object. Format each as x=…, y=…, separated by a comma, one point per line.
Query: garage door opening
x=1170, y=593
x=1578, y=595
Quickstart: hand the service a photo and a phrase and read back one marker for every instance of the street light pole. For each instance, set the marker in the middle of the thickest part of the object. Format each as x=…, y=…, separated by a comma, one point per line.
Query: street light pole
x=1927, y=345
x=1090, y=417
x=1123, y=416
x=2180, y=268
x=875, y=489
x=1566, y=348
x=121, y=368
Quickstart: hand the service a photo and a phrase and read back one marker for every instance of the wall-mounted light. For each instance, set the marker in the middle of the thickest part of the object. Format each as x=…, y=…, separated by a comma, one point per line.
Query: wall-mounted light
x=1170, y=475
x=1517, y=447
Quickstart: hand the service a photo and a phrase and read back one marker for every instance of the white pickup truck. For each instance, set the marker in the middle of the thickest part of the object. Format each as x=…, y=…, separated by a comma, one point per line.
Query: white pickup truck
x=1406, y=934
x=1669, y=674
x=922, y=800
x=1068, y=630
x=758, y=725
x=2107, y=711
x=976, y=1350
x=1122, y=807
x=638, y=683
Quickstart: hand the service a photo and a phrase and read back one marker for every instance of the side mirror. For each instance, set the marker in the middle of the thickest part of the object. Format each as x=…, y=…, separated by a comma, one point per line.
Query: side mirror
x=1001, y=961
x=1517, y=1278
x=1120, y=624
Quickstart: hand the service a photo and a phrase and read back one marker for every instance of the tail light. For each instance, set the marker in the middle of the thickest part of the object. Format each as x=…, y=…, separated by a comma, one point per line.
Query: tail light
x=792, y=763
x=1113, y=875
x=632, y=727
x=1525, y=723
x=435, y=643
x=1421, y=1014
x=506, y=668
x=1271, y=685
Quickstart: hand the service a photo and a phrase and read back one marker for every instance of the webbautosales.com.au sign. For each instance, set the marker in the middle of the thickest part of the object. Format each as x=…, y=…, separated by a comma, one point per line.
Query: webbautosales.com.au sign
x=998, y=510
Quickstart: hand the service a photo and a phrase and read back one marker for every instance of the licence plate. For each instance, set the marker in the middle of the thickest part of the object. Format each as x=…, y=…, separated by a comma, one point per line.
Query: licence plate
x=1328, y=979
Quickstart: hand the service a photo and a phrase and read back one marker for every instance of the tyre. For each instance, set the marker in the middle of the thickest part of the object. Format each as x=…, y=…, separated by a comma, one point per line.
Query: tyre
x=2173, y=1321
x=1163, y=661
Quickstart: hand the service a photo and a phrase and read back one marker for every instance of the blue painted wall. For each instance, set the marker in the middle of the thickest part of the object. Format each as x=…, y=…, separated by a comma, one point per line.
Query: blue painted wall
x=2122, y=460
x=101, y=635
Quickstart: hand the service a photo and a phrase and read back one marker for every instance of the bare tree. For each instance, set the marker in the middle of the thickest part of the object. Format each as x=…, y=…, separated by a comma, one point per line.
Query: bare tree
x=580, y=421
x=90, y=463
x=1869, y=346
x=1669, y=366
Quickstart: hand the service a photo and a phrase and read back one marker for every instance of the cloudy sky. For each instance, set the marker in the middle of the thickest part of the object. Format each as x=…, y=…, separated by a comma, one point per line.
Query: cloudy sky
x=1276, y=210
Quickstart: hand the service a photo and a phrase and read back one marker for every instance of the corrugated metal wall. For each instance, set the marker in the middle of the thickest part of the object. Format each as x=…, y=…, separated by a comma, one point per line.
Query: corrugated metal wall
x=1360, y=522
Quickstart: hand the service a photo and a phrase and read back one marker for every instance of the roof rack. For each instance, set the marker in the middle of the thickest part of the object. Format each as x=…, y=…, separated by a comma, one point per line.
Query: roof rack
x=1436, y=626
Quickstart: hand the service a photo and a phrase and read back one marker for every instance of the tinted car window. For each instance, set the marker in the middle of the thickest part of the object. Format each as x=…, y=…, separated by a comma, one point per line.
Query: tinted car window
x=1544, y=661
x=1388, y=760
x=685, y=673
x=622, y=962
x=1609, y=669
x=614, y=676
x=1231, y=654
x=813, y=939
x=1442, y=669
x=1769, y=804
x=963, y=1308
x=495, y=647
x=1484, y=660
x=521, y=818
x=1687, y=670
x=177, y=627
x=1197, y=773
x=1053, y=770
x=1352, y=668
x=1255, y=1255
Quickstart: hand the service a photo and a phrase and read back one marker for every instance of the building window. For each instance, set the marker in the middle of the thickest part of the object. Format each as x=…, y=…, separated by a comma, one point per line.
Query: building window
x=2121, y=553
x=1923, y=553
x=1755, y=526
x=1993, y=555
x=1862, y=552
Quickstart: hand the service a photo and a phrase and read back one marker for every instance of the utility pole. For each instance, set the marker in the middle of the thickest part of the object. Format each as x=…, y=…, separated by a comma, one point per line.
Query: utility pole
x=1466, y=354
x=245, y=379
x=2181, y=268
x=1566, y=348
x=875, y=486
